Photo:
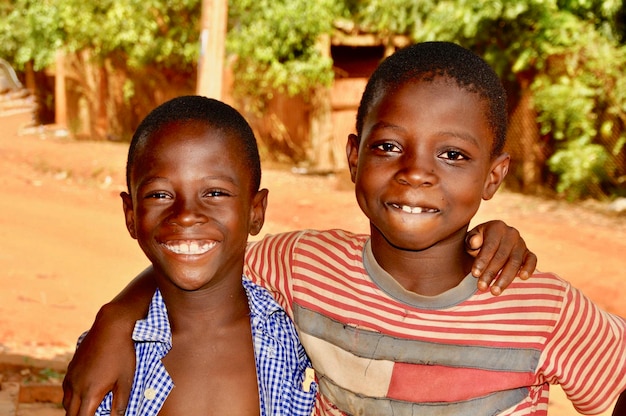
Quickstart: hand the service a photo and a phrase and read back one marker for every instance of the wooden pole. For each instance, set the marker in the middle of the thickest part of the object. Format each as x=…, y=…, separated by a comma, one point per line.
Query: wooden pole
x=212, y=45
x=60, y=97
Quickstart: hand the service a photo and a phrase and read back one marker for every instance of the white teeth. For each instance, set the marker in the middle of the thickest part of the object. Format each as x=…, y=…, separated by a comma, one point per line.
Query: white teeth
x=190, y=248
x=414, y=210
x=410, y=210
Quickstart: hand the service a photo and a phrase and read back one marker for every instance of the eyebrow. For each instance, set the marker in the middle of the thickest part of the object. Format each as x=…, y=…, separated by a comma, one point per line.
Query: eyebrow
x=463, y=136
x=384, y=125
x=153, y=179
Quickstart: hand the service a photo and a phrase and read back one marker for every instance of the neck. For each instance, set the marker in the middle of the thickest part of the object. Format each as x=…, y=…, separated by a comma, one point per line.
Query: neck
x=427, y=272
x=204, y=309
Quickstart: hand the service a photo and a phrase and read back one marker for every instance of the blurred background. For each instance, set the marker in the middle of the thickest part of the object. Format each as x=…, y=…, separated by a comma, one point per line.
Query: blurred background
x=297, y=68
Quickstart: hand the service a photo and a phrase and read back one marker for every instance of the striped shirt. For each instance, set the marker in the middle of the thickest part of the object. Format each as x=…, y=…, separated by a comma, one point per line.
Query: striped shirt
x=280, y=360
x=378, y=349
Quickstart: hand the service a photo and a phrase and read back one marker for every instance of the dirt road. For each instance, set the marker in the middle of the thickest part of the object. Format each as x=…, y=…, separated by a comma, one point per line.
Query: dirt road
x=64, y=249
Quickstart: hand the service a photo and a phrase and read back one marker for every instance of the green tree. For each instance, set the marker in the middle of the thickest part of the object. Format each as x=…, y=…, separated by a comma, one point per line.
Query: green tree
x=277, y=45
x=121, y=55
x=30, y=31
x=145, y=32
x=279, y=49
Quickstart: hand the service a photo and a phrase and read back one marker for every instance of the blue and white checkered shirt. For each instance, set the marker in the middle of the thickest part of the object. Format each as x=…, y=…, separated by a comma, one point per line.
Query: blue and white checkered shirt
x=280, y=360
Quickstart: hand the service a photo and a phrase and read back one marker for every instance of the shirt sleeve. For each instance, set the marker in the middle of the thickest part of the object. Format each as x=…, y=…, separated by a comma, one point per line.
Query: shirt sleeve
x=269, y=264
x=586, y=354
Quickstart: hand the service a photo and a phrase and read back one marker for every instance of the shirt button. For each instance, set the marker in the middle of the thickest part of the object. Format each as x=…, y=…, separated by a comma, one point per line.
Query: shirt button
x=150, y=393
x=271, y=352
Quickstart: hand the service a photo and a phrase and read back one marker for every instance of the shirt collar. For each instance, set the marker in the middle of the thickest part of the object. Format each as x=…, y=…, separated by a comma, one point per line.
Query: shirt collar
x=156, y=326
x=260, y=302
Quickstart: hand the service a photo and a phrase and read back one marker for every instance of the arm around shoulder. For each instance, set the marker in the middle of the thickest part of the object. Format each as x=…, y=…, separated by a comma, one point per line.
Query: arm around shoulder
x=105, y=359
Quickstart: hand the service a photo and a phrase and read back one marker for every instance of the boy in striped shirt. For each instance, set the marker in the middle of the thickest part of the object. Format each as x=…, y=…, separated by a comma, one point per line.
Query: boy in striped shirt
x=393, y=322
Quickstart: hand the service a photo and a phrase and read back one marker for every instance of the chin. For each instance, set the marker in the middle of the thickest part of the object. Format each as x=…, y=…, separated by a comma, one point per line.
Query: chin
x=191, y=282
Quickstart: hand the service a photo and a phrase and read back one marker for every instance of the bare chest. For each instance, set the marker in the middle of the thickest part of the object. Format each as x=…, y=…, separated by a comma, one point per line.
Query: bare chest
x=215, y=375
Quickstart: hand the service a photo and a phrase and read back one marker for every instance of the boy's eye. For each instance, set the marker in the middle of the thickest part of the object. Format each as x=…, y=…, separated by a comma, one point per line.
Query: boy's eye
x=386, y=147
x=213, y=193
x=157, y=195
x=453, y=155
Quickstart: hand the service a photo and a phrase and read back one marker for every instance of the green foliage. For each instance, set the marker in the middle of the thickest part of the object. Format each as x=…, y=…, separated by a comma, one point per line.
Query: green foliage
x=581, y=168
x=277, y=46
x=607, y=16
x=30, y=31
x=142, y=32
x=575, y=102
x=386, y=17
x=578, y=105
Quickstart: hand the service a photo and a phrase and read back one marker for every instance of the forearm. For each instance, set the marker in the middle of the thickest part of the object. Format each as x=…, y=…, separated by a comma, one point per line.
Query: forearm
x=133, y=301
x=104, y=361
x=118, y=316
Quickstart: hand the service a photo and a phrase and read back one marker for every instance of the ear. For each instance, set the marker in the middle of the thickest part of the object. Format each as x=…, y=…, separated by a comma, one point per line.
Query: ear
x=499, y=169
x=127, y=205
x=257, y=211
x=352, y=151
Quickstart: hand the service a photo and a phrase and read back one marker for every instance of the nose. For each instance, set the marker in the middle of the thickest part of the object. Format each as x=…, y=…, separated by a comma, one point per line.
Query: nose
x=187, y=212
x=416, y=170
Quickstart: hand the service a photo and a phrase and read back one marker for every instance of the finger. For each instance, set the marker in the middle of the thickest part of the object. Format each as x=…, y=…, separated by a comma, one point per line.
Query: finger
x=490, y=259
x=67, y=395
x=521, y=263
x=88, y=405
x=473, y=241
x=529, y=266
x=486, y=243
x=121, y=395
x=508, y=273
x=501, y=283
x=71, y=404
x=502, y=266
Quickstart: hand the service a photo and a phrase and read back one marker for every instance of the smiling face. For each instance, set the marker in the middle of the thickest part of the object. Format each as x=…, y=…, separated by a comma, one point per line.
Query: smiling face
x=423, y=164
x=192, y=204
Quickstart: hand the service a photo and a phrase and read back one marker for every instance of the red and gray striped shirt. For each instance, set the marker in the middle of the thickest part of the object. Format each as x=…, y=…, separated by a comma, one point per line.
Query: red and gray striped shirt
x=378, y=349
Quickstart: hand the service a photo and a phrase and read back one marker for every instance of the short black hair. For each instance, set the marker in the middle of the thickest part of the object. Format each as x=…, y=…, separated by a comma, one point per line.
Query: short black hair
x=215, y=113
x=428, y=60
